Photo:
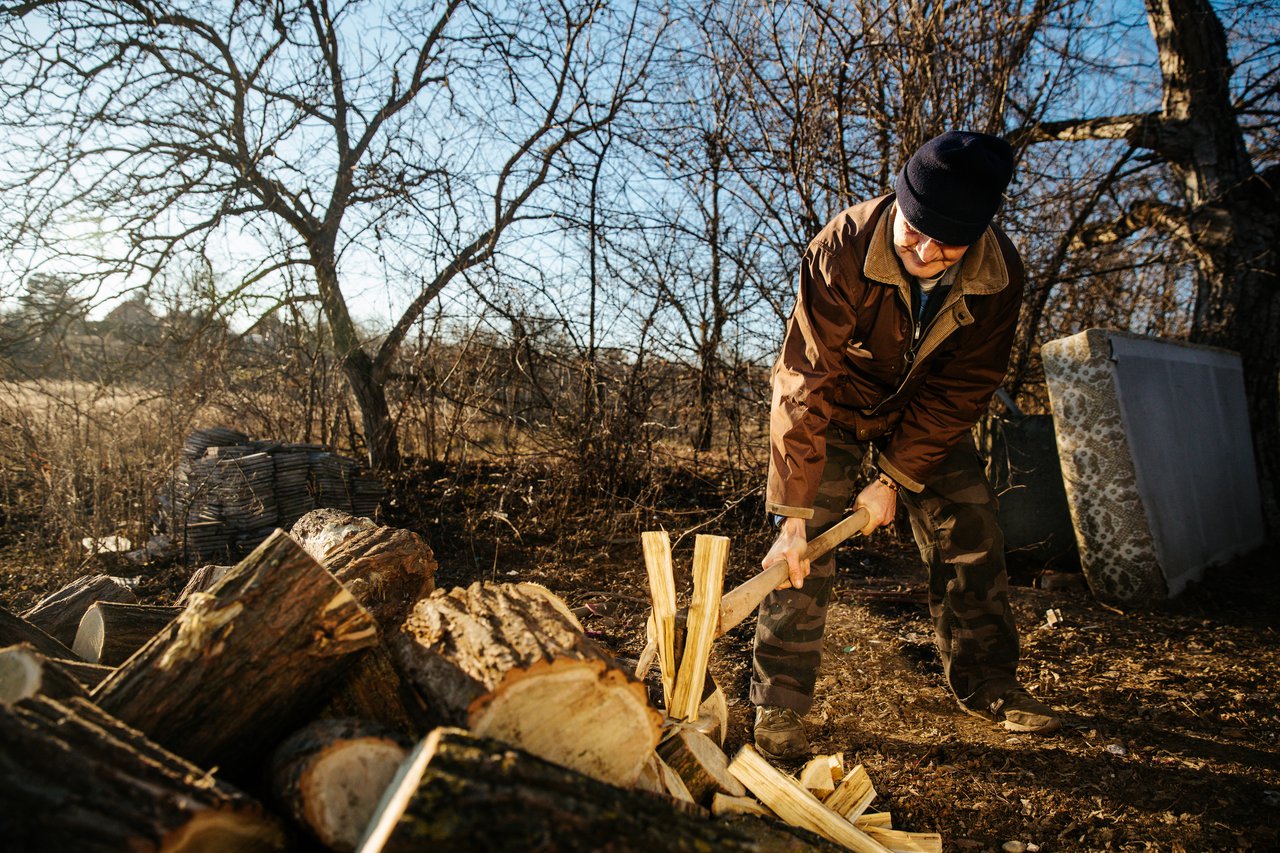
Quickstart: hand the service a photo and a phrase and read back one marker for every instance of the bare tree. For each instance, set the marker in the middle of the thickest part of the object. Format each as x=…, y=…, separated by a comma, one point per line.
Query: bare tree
x=1225, y=213
x=321, y=128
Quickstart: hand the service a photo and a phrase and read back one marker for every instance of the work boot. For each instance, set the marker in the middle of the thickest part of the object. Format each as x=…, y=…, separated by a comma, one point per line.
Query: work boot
x=1018, y=711
x=780, y=734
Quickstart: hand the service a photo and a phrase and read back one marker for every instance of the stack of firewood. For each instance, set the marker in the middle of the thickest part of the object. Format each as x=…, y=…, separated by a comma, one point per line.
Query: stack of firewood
x=323, y=688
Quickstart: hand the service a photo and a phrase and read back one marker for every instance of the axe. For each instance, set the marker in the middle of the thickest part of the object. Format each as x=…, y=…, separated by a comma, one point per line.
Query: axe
x=738, y=602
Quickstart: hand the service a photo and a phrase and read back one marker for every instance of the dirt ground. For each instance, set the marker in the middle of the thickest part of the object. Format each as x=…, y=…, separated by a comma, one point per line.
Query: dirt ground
x=1171, y=739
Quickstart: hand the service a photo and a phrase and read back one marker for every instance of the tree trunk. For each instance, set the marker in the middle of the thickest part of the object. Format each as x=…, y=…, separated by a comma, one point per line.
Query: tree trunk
x=459, y=792
x=1232, y=213
x=110, y=631
x=510, y=661
x=74, y=778
x=366, y=384
x=58, y=614
x=330, y=775
x=243, y=664
x=201, y=579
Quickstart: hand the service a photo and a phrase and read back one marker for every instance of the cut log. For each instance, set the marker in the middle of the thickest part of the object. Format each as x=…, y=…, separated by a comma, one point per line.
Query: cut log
x=372, y=689
x=387, y=569
x=505, y=662
x=74, y=778
x=331, y=774
x=201, y=580
x=701, y=764
x=58, y=614
x=14, y=629
x=458, y=792
x=24, y=672
x=709, y=556
x=88, y=674
x=246, y=662
x=852, y=796
x=662, y=590
x=111, y=631
x=907, y=842
x=795, y=805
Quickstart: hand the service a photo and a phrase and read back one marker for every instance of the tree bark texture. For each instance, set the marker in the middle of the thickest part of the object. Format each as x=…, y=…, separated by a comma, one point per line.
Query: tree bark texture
x=330, y=775
x=510, y=661
x=14, y=629
x=372, y=689
x=109, y=631
x=201, y=579
x=387, y=569
x=459, y=792
x=74, y=778
x=58, y=614
x=244, y=663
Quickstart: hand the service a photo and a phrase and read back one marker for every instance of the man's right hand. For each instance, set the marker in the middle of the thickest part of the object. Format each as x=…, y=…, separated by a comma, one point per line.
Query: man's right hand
x=790, y=544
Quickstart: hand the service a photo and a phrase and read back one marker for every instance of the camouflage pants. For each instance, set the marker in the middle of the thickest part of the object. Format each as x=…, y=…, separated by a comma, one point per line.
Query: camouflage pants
x=955, y=524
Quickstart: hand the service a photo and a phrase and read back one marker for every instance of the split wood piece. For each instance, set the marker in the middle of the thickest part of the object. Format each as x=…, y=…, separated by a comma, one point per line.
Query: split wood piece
x=795, y=805
x=505, y=661
x=459, y=792
x=387, y=569
x=907, y=842
x=815, y=776
x=24, y=673
x=723, y=805
x=111, y=631
x=201, y=580
x=14, y=629
x=874, y=820
x=372, y=689
x=58, y=614
x=701, y=764
x=852, y=796
x=331, y=774
x=662, y=590
x=713, y=714
x=74, y=778
x=245, y=663
x=709, y=556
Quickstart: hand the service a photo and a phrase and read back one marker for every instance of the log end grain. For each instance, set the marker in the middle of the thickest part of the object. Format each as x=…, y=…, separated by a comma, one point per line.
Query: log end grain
x=580, y=714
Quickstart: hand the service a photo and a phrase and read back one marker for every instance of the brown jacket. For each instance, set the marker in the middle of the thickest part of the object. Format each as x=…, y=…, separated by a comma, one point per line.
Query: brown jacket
x=845, y=357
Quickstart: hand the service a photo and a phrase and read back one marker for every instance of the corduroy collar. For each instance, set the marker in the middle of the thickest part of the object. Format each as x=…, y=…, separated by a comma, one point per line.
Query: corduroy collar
x=982, y=269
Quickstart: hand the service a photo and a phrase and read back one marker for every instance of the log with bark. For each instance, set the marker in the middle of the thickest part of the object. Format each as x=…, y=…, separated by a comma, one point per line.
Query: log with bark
x=201, y=580
x=14, y=629
x=459, y=792
x=58, y=614
x=372, y=689
x=509, y=661
x=387, y=569
x=111, y=631
x=25, y=672
x=74, y=778
x=700, y=764
x=244, y=663
x=330, y=775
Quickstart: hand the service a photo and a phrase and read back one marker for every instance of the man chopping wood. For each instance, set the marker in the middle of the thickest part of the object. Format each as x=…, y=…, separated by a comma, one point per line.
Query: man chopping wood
x=900, y=336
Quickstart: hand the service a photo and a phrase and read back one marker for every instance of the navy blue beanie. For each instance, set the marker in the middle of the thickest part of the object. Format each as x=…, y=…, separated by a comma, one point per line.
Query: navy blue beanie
x=952, y=187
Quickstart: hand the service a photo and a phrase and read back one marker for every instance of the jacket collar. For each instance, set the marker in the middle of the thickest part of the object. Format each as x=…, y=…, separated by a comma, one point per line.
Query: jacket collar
x=982, y=269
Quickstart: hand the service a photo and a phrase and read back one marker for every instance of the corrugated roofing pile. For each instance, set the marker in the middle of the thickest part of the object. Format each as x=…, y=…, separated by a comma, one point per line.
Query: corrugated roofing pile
x=232, y=491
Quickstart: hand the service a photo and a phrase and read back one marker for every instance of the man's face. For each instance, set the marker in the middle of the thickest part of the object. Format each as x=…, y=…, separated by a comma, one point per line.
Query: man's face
x=923, y=257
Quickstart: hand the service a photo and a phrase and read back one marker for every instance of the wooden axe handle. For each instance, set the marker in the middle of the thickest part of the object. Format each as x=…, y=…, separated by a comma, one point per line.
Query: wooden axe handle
x=740, y=601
